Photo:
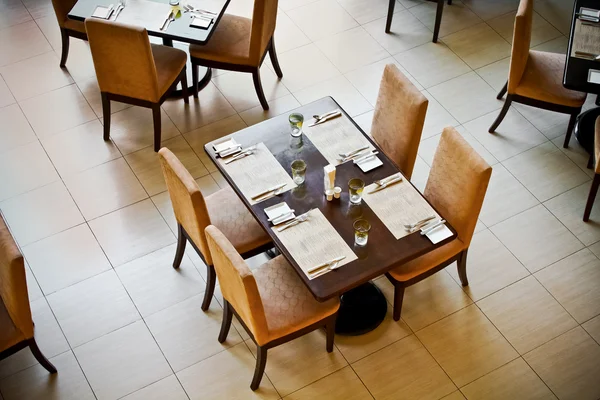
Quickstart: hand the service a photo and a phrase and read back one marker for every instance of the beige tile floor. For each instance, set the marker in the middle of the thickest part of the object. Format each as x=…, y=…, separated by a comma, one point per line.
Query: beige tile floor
x=95, y=224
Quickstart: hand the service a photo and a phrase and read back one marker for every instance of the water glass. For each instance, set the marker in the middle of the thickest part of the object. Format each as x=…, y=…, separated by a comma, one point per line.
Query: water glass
x=298, y=171
x=296, y=121
x=361, y=231
x=355, y=187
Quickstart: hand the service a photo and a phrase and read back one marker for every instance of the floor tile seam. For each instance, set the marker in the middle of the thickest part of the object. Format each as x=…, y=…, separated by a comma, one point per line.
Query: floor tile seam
x=22, y=369
x=551, y=24
x=296, y=7
x=555, y=299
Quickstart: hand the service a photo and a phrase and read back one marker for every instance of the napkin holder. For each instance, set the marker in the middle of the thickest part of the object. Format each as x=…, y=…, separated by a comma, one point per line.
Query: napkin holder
x=328, y=178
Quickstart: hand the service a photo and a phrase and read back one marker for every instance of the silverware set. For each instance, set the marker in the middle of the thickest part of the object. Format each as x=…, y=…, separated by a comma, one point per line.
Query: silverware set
x=120, y=8
x=170, y=18
x=199, y=13
x=319, y=119
x=281, y=217
x=298, y=220
x=592, y=56
x=245, y=152
x=266, y=194
x=354, y=154
x=419, y=224
x=427, y=229
x=325, y=267
x=386, y=182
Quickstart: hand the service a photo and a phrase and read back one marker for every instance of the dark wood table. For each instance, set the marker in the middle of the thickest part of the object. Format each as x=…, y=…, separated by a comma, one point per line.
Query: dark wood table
x=577, y=77
x=363, y=305
x=178, y=31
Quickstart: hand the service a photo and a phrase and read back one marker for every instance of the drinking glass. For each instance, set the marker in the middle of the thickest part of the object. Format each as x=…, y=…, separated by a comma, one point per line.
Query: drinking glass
x=361, y=231
x=298, y=171
x=296, y=121
x=355, y=187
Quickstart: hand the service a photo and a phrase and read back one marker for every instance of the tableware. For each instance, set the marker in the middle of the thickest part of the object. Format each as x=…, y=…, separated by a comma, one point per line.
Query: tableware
x=389, y=178
x=120, y=8
x=279, y=213
x=329, y=194
x=296, y=120
x=270, y=195
x=353, y=152
x=299, y=219
x=365, y=157
x=419, y=223
x=103, y=12
x=370, y=164
x=325, y=115
x=428, y=228
x=361, y=232
x=267, y=191
x=326, y=264
x=298, y=171
x=387, y=184
x=337, y=192
x=327, y=118
x=244, y=152
x=356, y=187
x=167, y=19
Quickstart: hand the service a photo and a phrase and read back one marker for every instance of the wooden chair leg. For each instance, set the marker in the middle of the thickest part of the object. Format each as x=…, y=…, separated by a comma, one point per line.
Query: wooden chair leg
x=106, y=115
x=259, y=89
x=570, y=128
x=462, y=268
x=35, y=350
x=181, y=242
x=591, y=198
x=390, y=16
x=502, y=91
x=65, y=47
x=195, y=78
x=184, y=86
x=438, y=20
x=398, y=297
x=261, y=362
x=226, y=323
x=274, y=60
x=501, y=115
x=157, y=125
x=211, y=280
x=330, y=328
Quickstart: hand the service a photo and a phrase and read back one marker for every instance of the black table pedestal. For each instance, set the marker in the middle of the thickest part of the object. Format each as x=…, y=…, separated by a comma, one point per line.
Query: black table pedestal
x=584, y=129
x=201, y=83
x=362, y=309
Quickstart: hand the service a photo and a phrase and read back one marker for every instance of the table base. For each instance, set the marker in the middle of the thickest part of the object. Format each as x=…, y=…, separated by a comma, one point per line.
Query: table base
x=585, y=127
x=362, y=309
x=201, y=83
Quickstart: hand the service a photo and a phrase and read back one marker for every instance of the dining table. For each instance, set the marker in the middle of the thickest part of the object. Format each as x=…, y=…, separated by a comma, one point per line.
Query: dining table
x=363, y=306
x=151, y=14
x=582, y=70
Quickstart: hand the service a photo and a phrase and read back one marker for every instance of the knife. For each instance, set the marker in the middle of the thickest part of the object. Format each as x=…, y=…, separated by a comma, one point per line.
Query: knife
x=319, y=267
x=271, y=189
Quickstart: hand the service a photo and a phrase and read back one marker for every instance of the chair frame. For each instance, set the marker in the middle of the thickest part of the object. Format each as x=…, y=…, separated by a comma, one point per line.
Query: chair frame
x=438, y=17
x=261, y=351
x=35, y=350
x=65, y=34
x=107, y=97
x=591, y=197
x=573, y=111
x=211, y=275
x=255, y=71
x=399, y=286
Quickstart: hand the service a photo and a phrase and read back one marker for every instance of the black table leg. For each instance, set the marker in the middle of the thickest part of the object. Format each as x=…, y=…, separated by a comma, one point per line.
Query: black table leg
x=584, y=129
x=362, y=309
x=201, y=83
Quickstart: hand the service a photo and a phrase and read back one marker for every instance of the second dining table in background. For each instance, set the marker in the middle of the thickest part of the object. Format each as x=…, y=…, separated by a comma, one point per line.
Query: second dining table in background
x=363, y=305
x=150, y=15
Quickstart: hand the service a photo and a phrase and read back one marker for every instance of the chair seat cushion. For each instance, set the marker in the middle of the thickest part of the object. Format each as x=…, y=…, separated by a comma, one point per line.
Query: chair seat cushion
x=9, y=334
x=542, y=80
x=228, y=213
x=428, y=261
x=230, y=43
x=289, y=306
x=74, y=25
x=169, y=63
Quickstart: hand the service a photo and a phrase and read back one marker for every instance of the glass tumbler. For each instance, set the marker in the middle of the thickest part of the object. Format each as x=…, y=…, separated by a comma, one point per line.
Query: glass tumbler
x=298, y=171
x=296, y=121
x=361, y=231
x=355, y=187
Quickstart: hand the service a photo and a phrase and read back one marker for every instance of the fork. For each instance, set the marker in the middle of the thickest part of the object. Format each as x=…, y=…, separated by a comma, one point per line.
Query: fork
x=418, y=224
x=299, y=219
x=383, y=181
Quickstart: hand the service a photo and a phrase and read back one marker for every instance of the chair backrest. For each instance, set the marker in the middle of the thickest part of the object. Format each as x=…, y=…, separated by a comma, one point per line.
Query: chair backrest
x=520, y=44
x=123, y=59
x=398, y=119
x=597, y=145
x=238, y=284
x=13, y=285
x=188, y=203
x=264, y=17
x=61, y=9
x=457, y=183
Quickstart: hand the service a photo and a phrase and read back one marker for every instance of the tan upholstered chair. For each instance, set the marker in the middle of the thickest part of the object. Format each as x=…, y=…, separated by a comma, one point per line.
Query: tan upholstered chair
x=596, y=181
x=240, y=44
x=271, y=302
x=68, y=27
x=194, y=213
x=130, y=70
x=16, y=325
x=456, y=187
x=399, y=118
x=535, y=77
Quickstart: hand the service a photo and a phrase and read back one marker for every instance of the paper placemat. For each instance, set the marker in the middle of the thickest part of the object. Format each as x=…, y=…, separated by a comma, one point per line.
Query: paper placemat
x=314, y=242
x=257, y=172
x=397, y=205
x=148, y=14
x=586, y=39
x=336, y=136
